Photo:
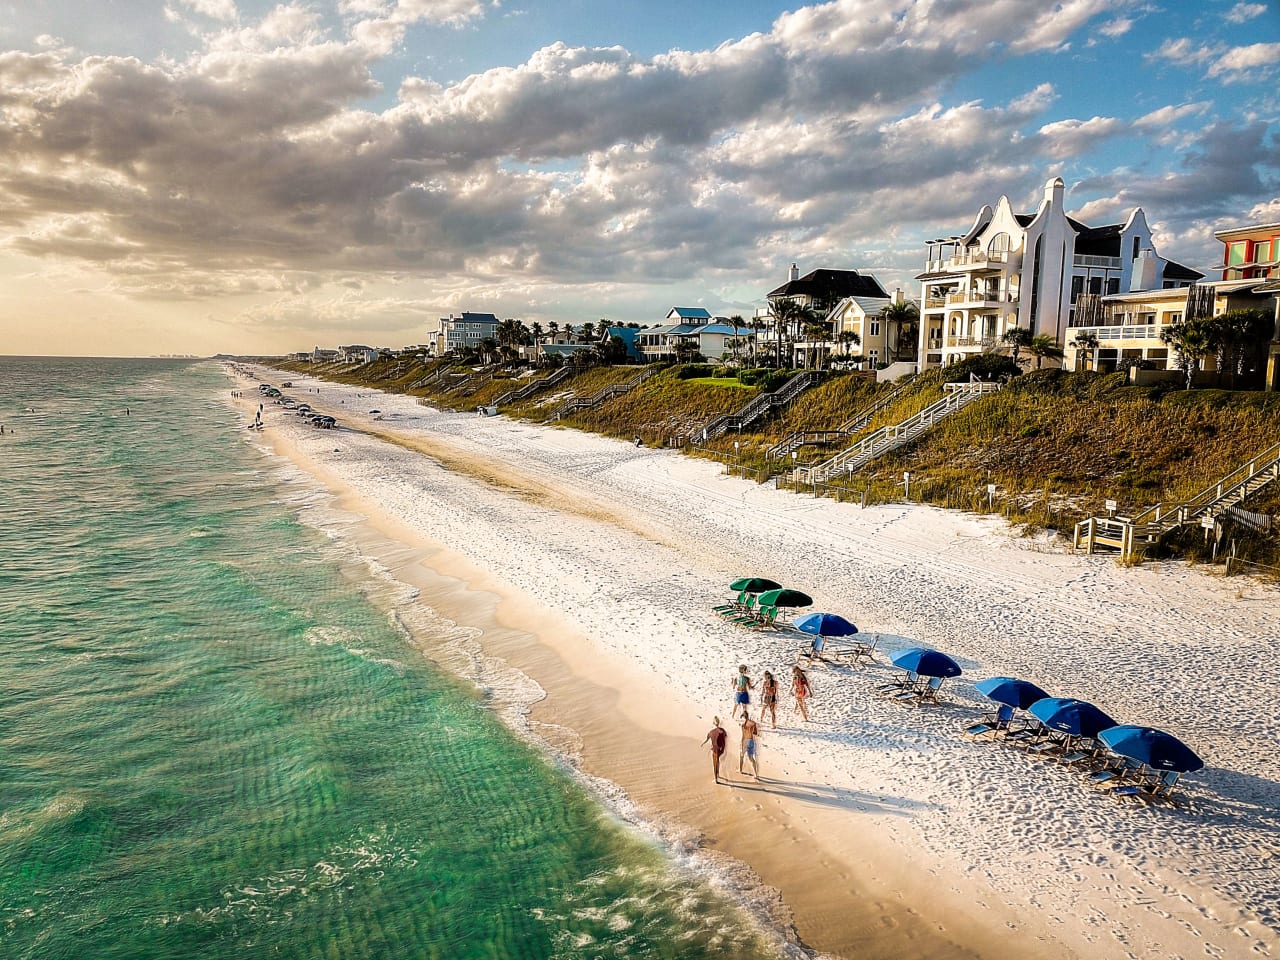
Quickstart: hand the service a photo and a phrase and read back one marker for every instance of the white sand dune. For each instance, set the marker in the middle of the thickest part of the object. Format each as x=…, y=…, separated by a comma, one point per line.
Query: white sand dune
x=634, y=545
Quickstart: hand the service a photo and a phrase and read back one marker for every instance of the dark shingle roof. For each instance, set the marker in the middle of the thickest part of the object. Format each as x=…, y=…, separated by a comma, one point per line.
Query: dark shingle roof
x=1176, y=271
x=831, y=285
x=1097, y=241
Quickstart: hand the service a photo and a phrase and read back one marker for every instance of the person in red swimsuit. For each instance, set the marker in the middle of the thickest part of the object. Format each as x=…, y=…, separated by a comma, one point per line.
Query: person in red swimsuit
x=718, y=740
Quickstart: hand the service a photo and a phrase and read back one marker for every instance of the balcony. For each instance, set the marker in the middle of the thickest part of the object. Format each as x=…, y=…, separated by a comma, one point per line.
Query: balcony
x=985, y=343
x=1149, y=331
x=979, y=298
x=1106, y=263
x=992, y=260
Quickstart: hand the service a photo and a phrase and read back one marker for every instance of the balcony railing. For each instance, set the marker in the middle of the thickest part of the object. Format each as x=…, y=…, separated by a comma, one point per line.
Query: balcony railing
x=1150, y=331
x=1086, y=260
x=962, y=261
x=985, y=343
x=979, y=296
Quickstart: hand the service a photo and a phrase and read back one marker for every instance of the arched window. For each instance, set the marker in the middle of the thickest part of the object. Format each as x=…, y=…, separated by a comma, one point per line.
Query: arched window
x=999, y=243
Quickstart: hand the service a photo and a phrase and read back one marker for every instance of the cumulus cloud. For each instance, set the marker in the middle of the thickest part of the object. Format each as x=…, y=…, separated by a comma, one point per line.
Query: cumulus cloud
x=1244, y=63
x=214, y=9
x=1244, y=12
x=253, y=166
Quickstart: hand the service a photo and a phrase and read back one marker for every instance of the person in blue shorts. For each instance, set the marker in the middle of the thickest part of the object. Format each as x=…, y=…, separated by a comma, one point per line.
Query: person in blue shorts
x=750, y=745
x=742, y=687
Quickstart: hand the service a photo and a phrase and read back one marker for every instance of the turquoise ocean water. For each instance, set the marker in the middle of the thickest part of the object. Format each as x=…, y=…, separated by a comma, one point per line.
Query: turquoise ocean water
x=215, y=744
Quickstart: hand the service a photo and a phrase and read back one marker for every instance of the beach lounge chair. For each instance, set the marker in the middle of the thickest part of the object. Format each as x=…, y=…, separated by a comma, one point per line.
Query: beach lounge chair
x=744, y=611
x=866, y=651
x=927, y=693
x=1123, y=772
x=898, y=684
x=992, y=726
x=733, y=606
x=765, y=618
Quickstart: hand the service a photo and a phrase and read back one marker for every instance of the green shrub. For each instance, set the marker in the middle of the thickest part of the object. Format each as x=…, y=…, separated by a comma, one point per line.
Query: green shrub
x=751, y=376
x=694, y=371
x=985, y=366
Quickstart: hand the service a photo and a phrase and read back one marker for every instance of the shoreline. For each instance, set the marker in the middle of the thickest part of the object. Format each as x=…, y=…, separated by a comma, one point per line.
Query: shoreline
x=811, y=830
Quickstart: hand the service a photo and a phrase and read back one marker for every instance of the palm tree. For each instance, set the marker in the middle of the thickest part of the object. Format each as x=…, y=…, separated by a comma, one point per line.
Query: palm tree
x=847, y=339
x=1044, y=346
x=904, y=318
x=1191, y=340
x=757, y=324
x=817, y=330
x=587, y=332
x=789, y=315
x=1085, y=340
x=1236, y=334
x=1017, y=339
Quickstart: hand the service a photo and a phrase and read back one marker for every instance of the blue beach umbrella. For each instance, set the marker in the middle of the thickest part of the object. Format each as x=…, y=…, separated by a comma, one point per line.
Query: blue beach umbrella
x=927, y=663
x=1155, y=748
x=825, y=625
x=1007, y=690
x=1076, y=717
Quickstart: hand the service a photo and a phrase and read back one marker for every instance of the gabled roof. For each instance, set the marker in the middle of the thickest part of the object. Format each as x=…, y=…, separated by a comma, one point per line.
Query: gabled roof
x=1176, y=271
x=689, y=313
x=726, y=328
x=1097, y=241
x=478, y=318
x=831, y=284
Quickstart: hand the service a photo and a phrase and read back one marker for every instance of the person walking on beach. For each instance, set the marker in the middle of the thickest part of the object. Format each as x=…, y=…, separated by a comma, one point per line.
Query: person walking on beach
x=718, y=740
x=749, y=744
x=769, y=698
x=741, y=692
x=800, y=687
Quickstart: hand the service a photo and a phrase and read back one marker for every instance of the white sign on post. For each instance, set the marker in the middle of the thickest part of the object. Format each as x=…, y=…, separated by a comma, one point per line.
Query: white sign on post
x=1208, y=522
x=991, y=489
x=1112, y=506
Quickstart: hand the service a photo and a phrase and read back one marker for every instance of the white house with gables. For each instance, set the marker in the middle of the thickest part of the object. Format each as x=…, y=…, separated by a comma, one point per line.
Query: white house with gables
x=1026, y=270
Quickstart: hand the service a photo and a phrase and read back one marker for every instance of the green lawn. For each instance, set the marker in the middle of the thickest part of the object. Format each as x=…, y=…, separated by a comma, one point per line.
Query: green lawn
x=720, y=382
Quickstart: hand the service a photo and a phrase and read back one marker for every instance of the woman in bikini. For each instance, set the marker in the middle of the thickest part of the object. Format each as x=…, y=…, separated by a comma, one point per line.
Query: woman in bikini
x=800, y=687
x=769, y=693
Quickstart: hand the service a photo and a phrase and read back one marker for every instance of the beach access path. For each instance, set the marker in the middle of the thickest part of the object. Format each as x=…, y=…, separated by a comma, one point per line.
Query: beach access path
x=631, y=547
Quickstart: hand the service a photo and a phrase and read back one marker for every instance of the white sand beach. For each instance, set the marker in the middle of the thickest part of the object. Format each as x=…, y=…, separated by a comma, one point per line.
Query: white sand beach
x=592, y=566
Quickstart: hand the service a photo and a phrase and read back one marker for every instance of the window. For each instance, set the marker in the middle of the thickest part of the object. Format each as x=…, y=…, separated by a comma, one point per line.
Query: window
x=1262, y=251
x=873, y=356
x=999, y=243
x=1077, y=287
x=1095, y=285
x=1113, y=285
x=1236, y=253
x=1136, y=242
x=875, y=329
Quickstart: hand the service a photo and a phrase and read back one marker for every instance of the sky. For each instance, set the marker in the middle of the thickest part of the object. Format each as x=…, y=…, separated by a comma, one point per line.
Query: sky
x=203, y=176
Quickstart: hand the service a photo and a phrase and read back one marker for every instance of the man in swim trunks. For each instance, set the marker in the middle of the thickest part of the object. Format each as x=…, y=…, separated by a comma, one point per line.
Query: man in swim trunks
x=718, y=740
x=741, y=692
x=749, y=745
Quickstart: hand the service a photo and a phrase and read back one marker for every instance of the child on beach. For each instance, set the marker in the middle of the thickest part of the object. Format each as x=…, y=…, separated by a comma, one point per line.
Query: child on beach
x=800, y=687
x=742, y=686
x=769, y=691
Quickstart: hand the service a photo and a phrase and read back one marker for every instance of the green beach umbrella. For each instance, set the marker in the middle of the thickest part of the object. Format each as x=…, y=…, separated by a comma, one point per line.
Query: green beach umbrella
x=785, y=598
x=754, y=585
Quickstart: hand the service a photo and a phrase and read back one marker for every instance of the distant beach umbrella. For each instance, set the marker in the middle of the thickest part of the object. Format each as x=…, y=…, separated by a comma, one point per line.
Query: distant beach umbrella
x=1007, y=690
x=784, y=598
x=1076, y=717
x=927, y=663
x=754, y=585
x=825, y=625
x=1155, y=748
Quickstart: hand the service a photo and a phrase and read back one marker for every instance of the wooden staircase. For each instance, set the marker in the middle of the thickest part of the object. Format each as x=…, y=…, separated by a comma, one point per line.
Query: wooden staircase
x=1127, y=534
x=801, y=438
x=957, y=397
x=533, y=386
x=758, y=407
x=604, y=393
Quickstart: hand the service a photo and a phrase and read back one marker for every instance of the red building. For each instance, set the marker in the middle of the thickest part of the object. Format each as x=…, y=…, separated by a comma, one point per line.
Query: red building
x=1251, y=252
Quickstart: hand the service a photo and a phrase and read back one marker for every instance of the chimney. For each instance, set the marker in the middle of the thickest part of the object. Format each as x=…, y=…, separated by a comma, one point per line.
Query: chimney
x=1146, y=271
x=1054, y=191
x=898, y=296
x=795, y=273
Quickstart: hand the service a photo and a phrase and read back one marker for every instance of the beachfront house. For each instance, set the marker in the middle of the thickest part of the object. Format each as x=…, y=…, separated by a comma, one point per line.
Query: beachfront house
x=865, y=336
x=1028, y=270
x=1125, y=330
x=1253, y=252
x=465, y=332
x=713, y=337
x=820, y=292
x=357, y=354
x=319, y=355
